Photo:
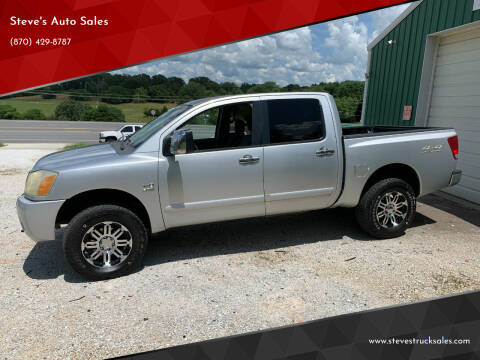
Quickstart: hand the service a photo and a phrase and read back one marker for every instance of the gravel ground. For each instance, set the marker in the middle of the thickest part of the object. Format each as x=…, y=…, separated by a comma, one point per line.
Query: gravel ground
x=214, y=280
x=22, y=156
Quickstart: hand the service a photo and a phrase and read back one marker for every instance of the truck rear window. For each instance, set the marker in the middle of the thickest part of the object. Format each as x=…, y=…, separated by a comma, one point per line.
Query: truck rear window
x=294, y=120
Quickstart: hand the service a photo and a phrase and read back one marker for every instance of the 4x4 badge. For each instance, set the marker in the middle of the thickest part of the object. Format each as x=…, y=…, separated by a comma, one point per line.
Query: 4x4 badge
x=148, y=187
x=428, y=148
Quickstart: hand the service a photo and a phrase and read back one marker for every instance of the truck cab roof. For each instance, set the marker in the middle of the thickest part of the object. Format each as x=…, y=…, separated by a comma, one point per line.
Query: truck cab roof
x=239, y=97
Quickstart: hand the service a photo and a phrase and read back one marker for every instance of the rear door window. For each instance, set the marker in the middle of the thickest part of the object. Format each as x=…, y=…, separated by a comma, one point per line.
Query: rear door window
x=295, y=120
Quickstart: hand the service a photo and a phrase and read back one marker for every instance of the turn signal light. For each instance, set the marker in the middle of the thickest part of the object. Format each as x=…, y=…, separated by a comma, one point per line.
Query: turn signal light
x=46, y=184
x=453, y=142
x=40, y=182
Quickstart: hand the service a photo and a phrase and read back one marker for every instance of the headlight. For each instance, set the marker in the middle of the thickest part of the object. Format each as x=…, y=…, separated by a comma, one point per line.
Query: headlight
x=40, y=182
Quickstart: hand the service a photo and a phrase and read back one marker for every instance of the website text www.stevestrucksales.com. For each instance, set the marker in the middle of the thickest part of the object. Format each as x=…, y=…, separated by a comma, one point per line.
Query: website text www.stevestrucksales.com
x=419, y=341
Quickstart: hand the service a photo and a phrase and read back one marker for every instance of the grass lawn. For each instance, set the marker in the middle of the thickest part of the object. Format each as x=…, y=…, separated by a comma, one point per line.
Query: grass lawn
x=133, y=112
x=23, y=104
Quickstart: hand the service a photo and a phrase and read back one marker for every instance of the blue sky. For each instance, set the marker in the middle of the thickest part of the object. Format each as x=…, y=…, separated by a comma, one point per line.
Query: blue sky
x=331, y=51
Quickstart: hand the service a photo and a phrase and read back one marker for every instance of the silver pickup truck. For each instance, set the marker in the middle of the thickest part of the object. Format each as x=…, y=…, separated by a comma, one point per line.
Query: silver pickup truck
x=229, y=158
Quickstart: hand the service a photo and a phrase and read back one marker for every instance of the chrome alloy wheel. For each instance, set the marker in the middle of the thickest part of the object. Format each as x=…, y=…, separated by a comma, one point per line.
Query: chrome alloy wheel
x=392, y=209
x=106, y=244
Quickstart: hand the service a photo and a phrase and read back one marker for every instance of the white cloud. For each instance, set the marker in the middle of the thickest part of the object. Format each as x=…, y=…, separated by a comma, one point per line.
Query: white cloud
x=348, y=43
x=287, y=57
x=382, y=18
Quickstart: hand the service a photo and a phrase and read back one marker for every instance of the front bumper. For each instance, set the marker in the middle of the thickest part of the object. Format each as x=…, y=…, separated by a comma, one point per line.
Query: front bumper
x=455, y=177
x=37, y=218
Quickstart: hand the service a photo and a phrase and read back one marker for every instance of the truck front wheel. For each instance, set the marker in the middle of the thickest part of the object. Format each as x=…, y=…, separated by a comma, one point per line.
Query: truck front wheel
x=105, y=241
x=387, y=209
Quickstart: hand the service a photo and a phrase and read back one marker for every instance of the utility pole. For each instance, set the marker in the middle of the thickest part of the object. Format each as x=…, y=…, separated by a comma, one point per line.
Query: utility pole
x=98, y=92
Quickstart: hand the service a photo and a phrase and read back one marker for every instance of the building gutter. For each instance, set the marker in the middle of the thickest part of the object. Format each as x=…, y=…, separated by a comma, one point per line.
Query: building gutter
x=365, y=90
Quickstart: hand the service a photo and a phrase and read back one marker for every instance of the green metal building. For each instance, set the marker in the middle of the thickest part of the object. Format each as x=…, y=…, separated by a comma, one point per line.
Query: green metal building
x=424, y=70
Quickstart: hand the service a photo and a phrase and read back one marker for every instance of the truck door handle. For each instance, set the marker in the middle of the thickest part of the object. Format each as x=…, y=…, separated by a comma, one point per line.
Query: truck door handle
x=248, y=159
x=322, y=152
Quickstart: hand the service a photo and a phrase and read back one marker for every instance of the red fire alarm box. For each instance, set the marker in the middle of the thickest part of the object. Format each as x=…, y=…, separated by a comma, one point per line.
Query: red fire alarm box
x=407, y=112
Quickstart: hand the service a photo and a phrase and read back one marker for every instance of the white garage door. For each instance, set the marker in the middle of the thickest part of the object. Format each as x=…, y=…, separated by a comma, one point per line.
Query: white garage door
x=456, y=103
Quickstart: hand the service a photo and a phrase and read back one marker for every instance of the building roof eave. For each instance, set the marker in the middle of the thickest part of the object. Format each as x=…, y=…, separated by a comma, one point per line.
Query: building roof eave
x=395, y=22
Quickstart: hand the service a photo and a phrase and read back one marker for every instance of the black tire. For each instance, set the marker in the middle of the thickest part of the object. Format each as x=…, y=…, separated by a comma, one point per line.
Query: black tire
x=110, y=139
x=78, y=231
x=369, y=210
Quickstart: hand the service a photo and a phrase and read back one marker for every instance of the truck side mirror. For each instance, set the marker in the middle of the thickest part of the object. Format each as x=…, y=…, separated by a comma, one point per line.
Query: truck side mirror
x=180, y=142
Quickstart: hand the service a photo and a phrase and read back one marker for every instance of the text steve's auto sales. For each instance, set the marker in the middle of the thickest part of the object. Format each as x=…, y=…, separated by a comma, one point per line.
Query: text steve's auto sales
x=54, y=21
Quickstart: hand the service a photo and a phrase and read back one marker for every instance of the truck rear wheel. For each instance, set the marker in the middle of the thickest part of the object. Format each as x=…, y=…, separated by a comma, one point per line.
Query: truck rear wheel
x=105, y=241
x=387, y=209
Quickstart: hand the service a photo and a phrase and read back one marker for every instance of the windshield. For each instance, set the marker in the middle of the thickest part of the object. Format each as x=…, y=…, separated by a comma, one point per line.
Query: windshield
x=153, y=126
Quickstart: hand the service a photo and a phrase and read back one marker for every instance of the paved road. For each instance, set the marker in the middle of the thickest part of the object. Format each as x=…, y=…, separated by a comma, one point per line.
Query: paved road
x=43, y=131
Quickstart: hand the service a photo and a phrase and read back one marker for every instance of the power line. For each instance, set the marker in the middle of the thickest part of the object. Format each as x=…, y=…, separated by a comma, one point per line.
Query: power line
x=172, y=98
x=107, y=96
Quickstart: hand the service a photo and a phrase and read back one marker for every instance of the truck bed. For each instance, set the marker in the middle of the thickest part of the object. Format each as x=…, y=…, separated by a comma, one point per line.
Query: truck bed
x=368, y=148
x=352, y=132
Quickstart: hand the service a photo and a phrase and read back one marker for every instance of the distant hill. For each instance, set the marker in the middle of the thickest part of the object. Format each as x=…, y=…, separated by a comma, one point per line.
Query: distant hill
x=134, y=95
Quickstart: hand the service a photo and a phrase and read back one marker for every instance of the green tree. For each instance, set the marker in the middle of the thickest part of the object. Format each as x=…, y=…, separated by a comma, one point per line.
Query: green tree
x=71, y=110
x=269, y=86
x=230, y=88
x=292, y=87
x=136, y=81
x=175, y=84
x=117, y=94
x=159, y=80
x=104, y=113
x=207, y=84
x=343, y=89
x=347, y=109
x=34, y=114
x=140, y=95
x=9, y=112
x=79, y=95
x=160, y=93
x=193, y=90
x=245, y=87
x=318, y=88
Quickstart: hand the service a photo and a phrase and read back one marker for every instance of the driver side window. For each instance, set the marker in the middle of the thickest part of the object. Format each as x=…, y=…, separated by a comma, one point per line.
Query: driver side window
x=203, y=125
x=223, y=127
